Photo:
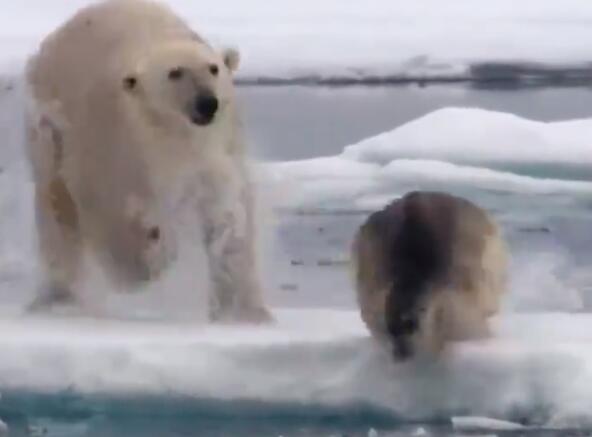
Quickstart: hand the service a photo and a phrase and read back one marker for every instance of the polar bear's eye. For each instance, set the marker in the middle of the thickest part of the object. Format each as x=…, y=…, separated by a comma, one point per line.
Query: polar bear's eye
x=176, y=73
x=154, y=233
x=214, y=69
x=130, y=82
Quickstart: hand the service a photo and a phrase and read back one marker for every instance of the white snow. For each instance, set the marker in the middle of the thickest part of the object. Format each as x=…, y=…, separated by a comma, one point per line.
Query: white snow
x=484, y=423
x=315, y=188
x=471, y=135
x=3, y=429
x=536, y=364
x=451, y=146
x=352, y=39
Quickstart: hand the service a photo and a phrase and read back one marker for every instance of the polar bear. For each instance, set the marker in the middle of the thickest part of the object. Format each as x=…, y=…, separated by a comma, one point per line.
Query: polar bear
x=429, y=268
x=130, y=110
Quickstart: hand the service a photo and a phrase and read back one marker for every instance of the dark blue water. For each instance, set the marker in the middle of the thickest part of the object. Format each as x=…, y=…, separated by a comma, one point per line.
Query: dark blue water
x=74, y=415
x=67, y=415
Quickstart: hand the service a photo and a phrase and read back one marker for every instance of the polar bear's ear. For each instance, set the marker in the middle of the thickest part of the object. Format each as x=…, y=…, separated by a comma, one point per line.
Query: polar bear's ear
x=130, y=82
x=231, y=58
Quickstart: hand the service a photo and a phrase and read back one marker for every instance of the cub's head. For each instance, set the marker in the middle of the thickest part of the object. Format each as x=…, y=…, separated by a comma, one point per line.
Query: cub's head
x=420, y=326
x=184, y=80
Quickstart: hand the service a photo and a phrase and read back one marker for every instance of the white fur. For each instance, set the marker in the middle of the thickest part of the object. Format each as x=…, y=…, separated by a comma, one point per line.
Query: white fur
x=124, y=157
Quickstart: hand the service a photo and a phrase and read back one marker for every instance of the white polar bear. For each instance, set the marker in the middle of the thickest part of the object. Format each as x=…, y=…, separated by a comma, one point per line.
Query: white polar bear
x=128, y=107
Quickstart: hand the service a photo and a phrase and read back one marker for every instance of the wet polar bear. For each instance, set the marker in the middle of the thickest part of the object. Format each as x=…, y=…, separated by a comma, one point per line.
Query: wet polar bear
x=130, y=109
x=429, y=268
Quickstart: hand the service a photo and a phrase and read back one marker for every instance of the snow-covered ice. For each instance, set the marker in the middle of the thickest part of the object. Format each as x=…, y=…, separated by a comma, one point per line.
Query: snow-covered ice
x=472, y=135
x=472, y=423
x=350, y=40
x=463, y=147
x=537, y=367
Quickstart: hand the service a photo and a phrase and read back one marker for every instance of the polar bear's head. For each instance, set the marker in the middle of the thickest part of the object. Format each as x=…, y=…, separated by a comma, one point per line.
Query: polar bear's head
x=184, y=80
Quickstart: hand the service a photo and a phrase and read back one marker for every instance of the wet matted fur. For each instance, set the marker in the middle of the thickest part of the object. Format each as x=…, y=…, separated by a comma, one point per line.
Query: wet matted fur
x=429, y=268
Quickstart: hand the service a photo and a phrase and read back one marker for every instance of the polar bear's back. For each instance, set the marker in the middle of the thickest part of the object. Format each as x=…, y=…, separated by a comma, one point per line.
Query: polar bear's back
x=97, y=46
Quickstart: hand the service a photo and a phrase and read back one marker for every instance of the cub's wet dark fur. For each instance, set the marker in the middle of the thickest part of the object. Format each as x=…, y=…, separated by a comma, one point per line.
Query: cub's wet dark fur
x=414, y=249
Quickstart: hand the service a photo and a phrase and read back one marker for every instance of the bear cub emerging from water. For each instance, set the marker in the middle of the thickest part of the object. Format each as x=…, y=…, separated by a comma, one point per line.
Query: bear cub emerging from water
x=430, y=268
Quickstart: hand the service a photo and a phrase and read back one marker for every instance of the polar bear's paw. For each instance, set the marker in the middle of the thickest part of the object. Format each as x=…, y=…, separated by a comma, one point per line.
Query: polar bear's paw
x=49, y=298
x=257, y=315
x=250, y=314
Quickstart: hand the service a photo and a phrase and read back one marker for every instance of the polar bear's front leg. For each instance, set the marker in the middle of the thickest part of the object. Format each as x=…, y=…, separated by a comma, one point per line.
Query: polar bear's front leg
x=228, y=217
x=55, y=212
x=59, y=243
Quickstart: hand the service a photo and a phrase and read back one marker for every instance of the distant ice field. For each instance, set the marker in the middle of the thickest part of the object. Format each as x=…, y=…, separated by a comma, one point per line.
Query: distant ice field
x=345, y=41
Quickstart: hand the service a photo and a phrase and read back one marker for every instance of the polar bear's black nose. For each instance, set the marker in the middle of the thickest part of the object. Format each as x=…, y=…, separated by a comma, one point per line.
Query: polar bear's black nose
x=206, y=106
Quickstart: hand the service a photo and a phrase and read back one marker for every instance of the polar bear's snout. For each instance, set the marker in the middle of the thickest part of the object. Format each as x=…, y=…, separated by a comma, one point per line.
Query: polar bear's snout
x=204, y=108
